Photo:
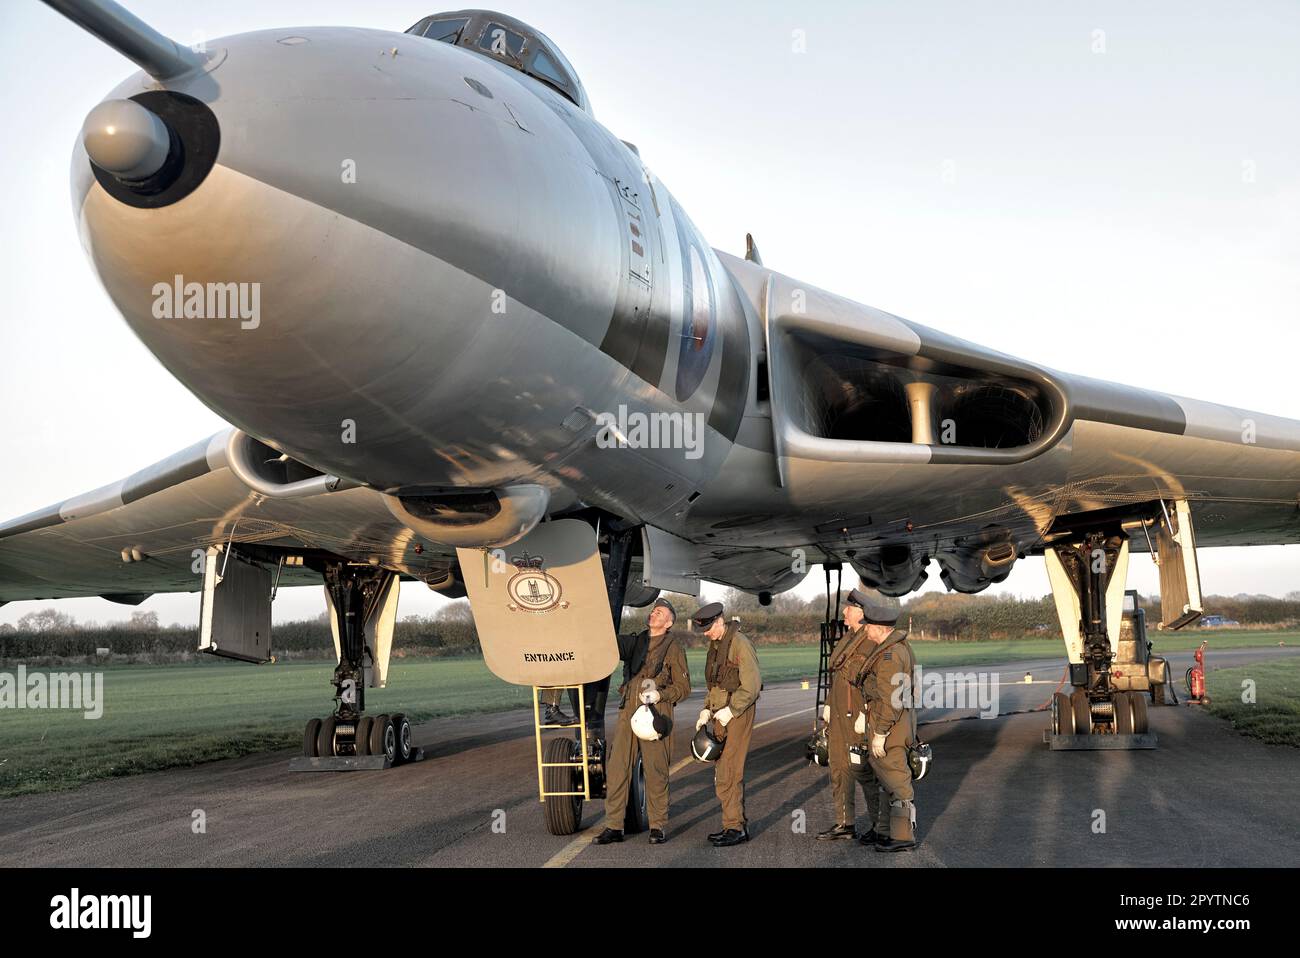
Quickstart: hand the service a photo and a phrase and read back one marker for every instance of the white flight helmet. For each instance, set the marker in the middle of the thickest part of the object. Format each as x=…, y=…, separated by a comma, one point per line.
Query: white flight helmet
x=649, y=725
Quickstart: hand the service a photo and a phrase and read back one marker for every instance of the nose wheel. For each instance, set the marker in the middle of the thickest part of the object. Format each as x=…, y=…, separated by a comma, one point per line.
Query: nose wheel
x=563, y=786
x=636, y=819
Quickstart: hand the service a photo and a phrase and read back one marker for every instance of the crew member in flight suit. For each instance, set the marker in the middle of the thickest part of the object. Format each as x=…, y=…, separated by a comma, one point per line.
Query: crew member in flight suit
x=889, y=716
x=733, y=679
x=841, y=713
x=654, y=674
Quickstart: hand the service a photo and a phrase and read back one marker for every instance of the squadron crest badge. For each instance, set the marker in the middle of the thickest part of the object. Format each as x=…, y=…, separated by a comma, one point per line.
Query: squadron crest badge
x=532, y=588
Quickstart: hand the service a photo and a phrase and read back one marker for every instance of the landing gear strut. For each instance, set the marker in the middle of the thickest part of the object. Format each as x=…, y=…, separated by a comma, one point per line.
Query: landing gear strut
x=1093, y=570
x=356, y=593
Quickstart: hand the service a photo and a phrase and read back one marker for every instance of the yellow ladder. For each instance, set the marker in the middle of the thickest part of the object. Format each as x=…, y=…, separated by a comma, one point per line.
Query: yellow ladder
x=538, y=727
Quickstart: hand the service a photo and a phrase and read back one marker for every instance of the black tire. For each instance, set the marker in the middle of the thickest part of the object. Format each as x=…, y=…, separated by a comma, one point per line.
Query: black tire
x=402, y=738
x=1139, y=704
x=382, y=739
x=596, y=768
x=1082, y=712
x=310, y=739
x=1123, y=703
x=1062, y=714
x=325, y=740
x=563, y=813
x=636, y=820
x=363, y=734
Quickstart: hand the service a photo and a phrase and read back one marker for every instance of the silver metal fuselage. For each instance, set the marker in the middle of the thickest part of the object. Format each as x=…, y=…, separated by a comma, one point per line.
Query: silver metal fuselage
x=459, y=269
x=450, y=256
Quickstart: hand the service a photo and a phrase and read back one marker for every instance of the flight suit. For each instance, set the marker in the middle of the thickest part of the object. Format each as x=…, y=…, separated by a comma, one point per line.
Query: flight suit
x=847, y=662
x=734, y=681
x=551, y=697
x=889, y=714
x=665, y=662
x=555, y=698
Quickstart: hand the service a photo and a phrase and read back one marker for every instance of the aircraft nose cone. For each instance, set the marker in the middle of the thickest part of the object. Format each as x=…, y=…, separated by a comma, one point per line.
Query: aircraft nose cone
x=125, y=139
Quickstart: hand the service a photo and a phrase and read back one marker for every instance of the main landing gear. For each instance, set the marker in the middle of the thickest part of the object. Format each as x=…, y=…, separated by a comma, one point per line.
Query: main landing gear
x=1088, y=579
x=358, y=598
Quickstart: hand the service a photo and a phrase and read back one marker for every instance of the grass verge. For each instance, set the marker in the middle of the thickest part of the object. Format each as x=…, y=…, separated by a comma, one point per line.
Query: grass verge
x=1261, y=700
x=159, y=717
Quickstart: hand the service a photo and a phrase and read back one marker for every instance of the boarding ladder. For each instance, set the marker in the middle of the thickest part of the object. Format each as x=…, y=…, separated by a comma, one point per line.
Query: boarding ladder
x=538, y=727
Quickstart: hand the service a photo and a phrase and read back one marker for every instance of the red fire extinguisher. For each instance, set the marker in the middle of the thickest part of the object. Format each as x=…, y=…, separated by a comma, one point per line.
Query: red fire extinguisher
x=1196, y=677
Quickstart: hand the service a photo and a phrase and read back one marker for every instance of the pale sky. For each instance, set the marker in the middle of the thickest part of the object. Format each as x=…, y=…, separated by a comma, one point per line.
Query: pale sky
x=1103, y=189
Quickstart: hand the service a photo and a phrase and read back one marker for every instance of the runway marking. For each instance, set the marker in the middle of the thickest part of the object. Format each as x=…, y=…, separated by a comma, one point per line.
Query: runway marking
x=570, y=851
x=786, y=716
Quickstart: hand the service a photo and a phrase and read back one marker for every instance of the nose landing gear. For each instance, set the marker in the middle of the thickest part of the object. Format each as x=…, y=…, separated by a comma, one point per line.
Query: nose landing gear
x=571, y=770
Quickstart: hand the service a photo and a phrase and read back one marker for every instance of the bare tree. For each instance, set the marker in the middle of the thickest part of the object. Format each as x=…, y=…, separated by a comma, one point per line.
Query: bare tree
x=46, y=620
x=457, y=611
x=144, y=622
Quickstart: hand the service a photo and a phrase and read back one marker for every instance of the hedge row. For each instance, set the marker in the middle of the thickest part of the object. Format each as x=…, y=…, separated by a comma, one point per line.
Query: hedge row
x=935, y=615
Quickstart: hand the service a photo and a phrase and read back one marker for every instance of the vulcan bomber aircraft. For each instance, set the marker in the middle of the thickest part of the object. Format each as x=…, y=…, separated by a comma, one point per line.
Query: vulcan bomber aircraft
x=467, y=341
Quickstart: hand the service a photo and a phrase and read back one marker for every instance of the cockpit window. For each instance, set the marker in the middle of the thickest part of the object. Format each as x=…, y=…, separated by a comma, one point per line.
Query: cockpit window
x=508, y=41
x=546, y=68
x=445, y=31
x=501, y=42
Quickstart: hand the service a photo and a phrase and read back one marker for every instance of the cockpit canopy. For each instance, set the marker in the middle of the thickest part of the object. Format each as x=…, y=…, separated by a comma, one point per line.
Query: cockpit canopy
x=513, y=43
